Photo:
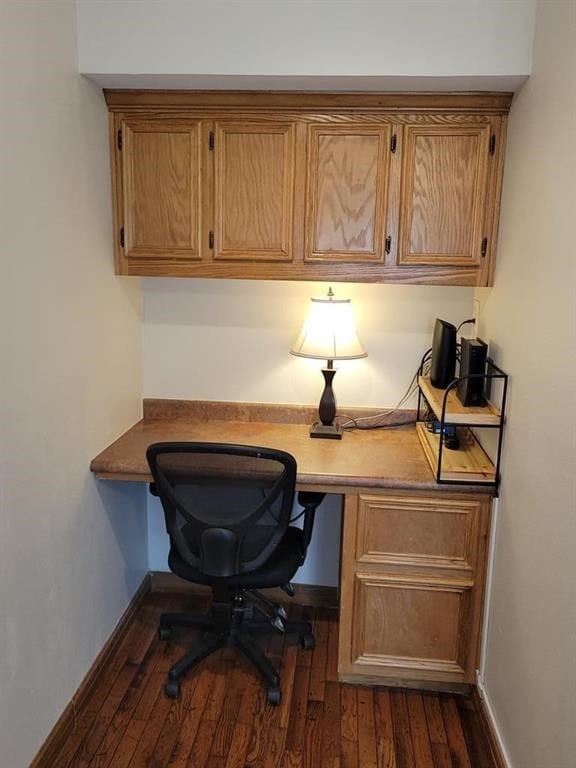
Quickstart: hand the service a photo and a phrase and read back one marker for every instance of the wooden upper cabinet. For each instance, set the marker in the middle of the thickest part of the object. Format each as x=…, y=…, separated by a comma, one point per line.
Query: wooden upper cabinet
x=444, y=194
x=161, y=175
x=284, y=186
x=347, y=192
x=254, y=191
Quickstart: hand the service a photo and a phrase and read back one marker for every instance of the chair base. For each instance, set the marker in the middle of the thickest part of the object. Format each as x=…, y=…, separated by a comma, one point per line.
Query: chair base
x=234, y=622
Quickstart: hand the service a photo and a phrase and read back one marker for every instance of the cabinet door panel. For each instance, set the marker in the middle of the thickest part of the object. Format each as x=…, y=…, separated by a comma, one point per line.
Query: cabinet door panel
x=161, y=172
x=420, y=532
x=254, y=191
x=443, y=197
x=346, y=195
x=407, y=622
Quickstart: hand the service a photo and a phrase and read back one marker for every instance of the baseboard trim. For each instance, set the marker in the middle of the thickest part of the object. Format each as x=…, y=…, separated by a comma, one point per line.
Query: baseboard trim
x=490, y=728
x=47, y=756
x=306, y=594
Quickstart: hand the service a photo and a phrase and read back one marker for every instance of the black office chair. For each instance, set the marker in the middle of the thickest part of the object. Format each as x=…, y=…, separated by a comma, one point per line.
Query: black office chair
x=227, y=511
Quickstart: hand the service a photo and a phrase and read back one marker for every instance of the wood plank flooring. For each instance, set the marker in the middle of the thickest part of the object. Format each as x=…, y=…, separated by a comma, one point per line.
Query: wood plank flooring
x=222, y=720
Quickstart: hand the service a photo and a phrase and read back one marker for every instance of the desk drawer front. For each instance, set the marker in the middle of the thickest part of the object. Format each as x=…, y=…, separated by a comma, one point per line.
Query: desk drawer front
x=426, y=532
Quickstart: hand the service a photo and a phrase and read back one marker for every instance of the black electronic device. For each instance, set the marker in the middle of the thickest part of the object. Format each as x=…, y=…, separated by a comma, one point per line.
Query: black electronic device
x=471, y=384
x=449, y=433
x=443, y=360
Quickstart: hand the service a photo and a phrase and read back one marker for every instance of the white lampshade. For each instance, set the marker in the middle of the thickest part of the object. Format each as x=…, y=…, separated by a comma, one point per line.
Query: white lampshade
x=328, y=332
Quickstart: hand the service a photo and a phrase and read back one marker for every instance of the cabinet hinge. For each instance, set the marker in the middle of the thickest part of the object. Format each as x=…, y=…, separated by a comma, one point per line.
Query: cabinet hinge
x=119, y=140
x=122, y=237
x=484, y=247
x=388, y=244
x=210, y=239
x=211, y=141
x=393, y=143
x=492, y=144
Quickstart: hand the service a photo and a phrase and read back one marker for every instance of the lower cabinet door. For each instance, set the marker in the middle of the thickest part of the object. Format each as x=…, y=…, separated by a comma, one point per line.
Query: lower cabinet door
x=409, y=627
x=412, y=587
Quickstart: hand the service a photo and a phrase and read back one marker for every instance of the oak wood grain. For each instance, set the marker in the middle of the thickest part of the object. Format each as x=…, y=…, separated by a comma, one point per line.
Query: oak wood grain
x=358, y=272
x=411, y=604
x=409, y=622
x=249, y=194
x=161, y=172
x=443, y=199
x=255, y=166
x=126, y=99
x=421, y=533
x=347, y=193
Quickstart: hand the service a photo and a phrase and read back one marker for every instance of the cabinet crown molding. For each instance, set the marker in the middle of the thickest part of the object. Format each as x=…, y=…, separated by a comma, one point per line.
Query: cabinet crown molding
x=484, y=102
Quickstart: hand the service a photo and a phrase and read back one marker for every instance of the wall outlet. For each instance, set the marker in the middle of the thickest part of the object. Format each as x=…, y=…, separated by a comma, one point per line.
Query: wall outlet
x=476, y=315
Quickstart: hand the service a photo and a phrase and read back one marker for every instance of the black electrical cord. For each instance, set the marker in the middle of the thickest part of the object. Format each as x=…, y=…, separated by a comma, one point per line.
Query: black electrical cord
x=472, y=321
x=383, y=426
x=353, y=422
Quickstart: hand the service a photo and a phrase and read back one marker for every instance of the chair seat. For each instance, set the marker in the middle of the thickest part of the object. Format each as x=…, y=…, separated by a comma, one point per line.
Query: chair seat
x=278, y=569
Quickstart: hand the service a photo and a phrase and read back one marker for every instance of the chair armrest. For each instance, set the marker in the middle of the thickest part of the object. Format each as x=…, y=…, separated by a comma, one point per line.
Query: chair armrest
x=310, y=502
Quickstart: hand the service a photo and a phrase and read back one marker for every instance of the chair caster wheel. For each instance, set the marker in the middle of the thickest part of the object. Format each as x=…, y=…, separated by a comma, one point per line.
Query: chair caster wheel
x=279, y=610
x=307, y=642
x=274, y=696
x=164, y=633
x=278, y=623
x=172, y=689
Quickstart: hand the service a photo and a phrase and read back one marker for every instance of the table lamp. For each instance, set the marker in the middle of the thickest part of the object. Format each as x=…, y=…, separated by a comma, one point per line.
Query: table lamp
x=328, y=334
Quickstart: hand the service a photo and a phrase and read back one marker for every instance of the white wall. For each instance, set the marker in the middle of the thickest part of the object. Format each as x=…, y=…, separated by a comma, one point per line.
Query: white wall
x=230, y=340
x=529, y=318
x=72, y=551
x=253, y=43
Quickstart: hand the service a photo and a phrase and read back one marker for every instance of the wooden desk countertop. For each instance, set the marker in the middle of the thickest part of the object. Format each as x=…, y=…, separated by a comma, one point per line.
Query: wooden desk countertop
x=362, y=460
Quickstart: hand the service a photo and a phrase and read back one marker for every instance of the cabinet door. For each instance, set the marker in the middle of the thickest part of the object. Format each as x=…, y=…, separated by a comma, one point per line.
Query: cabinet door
x=410, y=626
x=412, y=587
x=347, y=192
x=161, y=172
x=443, y=197
x=254, y=178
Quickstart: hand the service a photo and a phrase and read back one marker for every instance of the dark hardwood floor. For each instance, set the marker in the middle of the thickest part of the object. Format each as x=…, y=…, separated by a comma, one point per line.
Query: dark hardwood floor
x=222, y=720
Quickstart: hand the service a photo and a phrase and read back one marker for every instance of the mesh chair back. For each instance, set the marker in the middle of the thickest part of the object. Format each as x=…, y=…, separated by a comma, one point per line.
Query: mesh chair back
x=227, y=507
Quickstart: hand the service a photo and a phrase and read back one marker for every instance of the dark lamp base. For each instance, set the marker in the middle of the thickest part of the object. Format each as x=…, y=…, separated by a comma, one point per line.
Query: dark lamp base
x=326, y=431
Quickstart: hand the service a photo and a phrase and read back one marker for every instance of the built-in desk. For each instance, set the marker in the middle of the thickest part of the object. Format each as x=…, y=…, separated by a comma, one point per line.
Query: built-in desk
x=413, y=553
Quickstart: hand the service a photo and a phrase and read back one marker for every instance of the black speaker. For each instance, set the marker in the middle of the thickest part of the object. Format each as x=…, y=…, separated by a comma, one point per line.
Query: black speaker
x=443, y=360
x=473, y=356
